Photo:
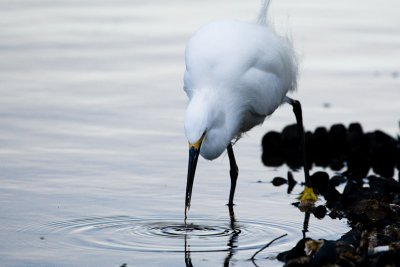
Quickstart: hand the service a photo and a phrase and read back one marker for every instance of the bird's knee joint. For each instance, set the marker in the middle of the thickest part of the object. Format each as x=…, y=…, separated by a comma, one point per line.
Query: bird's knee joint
x=295, y=103
x=296, y=106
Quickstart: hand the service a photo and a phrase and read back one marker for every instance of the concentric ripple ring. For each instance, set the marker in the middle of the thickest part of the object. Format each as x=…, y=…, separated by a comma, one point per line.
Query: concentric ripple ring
x=166, y=235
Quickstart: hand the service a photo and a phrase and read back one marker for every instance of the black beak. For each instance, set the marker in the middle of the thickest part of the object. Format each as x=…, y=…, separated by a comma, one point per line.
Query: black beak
x=193, y=157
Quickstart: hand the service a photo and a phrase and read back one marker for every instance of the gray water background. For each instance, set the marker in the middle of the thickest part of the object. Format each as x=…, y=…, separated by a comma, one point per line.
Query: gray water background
x=91, y=125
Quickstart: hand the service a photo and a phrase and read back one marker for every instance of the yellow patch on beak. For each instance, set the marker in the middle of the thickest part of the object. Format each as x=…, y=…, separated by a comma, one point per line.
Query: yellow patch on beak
x=198, y=143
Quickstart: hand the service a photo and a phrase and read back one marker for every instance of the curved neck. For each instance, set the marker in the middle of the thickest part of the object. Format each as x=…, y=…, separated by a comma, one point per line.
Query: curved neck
x=197, y=116
x=206, y=114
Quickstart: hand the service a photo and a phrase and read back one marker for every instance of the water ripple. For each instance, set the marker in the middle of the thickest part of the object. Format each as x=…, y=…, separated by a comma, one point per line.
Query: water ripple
x=168, y=235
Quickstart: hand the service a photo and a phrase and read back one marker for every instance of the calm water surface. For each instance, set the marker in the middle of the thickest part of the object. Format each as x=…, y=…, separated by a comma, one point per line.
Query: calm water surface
x=92, y=151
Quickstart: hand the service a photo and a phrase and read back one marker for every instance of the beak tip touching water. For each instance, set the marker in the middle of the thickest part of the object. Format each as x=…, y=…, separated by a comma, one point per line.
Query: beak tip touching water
x=193, y=157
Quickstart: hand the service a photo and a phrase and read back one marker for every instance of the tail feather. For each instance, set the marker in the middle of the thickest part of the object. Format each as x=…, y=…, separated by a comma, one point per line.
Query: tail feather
x=262, y=15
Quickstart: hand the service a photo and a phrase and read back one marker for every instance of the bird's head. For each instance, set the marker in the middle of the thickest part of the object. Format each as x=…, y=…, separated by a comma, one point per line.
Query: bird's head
x=205, y=131
x=196, y=123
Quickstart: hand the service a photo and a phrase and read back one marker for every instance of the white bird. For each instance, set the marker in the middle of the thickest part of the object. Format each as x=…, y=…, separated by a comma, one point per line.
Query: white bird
x=237, y=73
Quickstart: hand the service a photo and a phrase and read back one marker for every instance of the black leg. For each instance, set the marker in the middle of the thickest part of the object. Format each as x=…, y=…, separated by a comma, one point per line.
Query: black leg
x=234, y=171
x=299, y=119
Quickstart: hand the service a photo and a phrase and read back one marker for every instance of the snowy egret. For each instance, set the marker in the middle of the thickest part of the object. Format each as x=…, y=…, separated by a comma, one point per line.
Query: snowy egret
x=237, y=73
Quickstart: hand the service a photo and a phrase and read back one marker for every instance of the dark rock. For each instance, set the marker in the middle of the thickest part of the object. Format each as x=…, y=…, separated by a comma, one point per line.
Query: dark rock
x=392, y=231
x=296, y=252
x=298, y=262
x=320, y=182
x=383, y=187
x=337, y=180
x=325, y=255
x=387, y=258
x=319, y=212
x=352, y=237
x=353, y=192
x=336, y=214
x=278, y=181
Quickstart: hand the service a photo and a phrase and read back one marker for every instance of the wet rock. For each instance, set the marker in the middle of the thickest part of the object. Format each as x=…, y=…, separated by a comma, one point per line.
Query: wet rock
x=337, y=180
x=336, y=214
x=278, y=181
x=345, y=248
x=375, y=235
x=322, y=185
x=392, y=231
x=351, y=238
x=389, y=258
x=298, y=262
x=354, y=192
x=370, y=203
x=320, y=182
x=319, y=212
x=325, y=255
x=312, y=246
x=385, y=188
x=294, y=253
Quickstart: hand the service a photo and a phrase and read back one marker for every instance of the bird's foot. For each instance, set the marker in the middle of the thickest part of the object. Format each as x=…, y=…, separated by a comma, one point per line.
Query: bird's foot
x=307, y=197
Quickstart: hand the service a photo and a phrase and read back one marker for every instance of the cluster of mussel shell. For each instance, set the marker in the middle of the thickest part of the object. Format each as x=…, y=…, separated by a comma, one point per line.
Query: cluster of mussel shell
x=364, y=167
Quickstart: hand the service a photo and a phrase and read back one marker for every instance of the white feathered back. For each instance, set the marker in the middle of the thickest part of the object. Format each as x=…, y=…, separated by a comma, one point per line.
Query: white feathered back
x=237, y=73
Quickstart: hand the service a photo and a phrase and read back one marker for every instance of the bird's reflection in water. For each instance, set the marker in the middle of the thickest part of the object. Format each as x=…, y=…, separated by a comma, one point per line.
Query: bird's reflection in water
x=306, y=222
x=188, y=259
x=232, y=242
x=233, y=238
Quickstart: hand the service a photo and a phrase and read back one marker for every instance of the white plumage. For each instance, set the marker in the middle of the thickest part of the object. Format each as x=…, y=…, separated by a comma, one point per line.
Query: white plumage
x=237, y=73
